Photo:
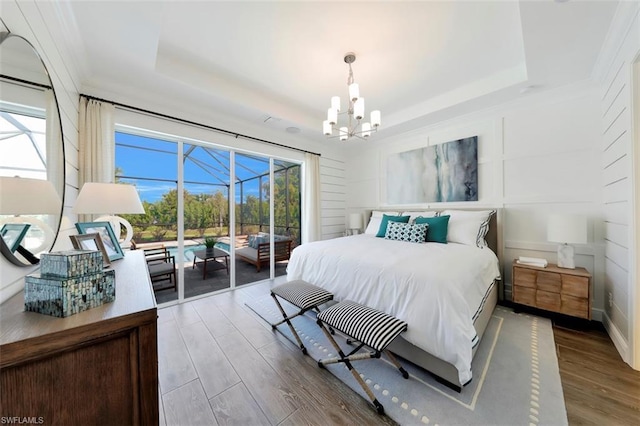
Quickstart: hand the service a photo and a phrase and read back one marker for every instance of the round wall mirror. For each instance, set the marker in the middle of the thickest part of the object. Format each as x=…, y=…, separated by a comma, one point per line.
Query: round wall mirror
x=32, y=175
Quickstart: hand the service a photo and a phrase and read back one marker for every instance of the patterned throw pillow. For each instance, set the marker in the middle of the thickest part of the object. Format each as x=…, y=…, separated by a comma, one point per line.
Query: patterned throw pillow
x=416, y=233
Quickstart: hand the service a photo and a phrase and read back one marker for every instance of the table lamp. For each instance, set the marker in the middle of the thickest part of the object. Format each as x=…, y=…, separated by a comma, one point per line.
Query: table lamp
x=567, y=229
x=23, y=198
x=109, y=199
x=355, y=223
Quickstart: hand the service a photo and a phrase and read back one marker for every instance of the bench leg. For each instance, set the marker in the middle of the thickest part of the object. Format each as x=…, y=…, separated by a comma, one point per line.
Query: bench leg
x=347, y=361
x=395, y=362
x=287, y=320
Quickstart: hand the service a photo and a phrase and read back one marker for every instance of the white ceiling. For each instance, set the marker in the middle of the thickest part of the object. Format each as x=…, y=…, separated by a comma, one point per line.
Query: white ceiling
x=417, y=62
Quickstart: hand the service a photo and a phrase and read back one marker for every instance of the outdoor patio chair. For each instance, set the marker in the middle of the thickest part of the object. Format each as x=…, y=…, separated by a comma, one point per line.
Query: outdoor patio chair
x=162, y=267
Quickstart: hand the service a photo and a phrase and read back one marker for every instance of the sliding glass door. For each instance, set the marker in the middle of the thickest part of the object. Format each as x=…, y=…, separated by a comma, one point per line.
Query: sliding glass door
x=187, y=187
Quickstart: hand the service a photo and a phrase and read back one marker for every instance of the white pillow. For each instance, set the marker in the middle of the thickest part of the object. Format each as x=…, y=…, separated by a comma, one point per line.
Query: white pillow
x=373, y=226
x=468, y=227
x=376, y=219
x=413, y=215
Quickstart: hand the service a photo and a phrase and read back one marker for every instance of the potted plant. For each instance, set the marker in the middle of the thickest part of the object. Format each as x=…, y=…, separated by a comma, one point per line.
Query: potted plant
x=210, y=242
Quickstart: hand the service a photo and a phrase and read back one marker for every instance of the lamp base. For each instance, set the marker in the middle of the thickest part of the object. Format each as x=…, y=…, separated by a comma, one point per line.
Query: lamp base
x=565, y=257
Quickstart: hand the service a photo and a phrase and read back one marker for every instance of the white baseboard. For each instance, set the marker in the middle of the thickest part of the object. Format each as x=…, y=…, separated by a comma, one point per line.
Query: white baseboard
x=616, y=337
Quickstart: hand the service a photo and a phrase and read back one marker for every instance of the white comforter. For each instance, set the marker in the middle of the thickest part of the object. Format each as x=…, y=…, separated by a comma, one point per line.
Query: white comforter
x=436, y=288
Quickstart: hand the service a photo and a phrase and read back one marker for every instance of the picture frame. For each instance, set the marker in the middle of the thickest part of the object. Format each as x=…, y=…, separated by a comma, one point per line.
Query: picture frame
x=91, y=241
x=13, y=234
x=109, y=240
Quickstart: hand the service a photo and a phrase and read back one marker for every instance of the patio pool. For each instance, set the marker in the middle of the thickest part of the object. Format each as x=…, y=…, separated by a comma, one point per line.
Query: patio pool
x=189, y=250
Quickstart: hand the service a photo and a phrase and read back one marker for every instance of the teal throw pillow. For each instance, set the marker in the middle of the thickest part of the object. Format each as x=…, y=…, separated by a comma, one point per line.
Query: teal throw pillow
x=438, y=228
x=386, y=219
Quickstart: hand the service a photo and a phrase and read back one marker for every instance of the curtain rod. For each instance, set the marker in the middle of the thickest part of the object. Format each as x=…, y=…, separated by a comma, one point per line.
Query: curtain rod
x=22, y=82
x=193, y=123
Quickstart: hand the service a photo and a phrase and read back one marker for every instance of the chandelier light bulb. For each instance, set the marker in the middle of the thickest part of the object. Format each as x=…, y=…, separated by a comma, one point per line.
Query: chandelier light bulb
x=335, y=103
x=344, y=133
x=375, y=118
x=326, y=128
x=332, y=116
x=366, y=130
x=354, y=92
x=358, y=109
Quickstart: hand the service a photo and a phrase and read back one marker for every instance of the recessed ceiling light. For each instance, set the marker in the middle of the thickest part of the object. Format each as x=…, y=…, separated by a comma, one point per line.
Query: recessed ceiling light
x=293, y=130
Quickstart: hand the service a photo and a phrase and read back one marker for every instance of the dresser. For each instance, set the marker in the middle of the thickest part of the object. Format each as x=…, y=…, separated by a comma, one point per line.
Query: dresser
x=97, y=367
x=566, y=291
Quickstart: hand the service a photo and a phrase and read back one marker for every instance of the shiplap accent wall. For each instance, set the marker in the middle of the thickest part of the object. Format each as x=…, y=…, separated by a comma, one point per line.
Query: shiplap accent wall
x=620, y=218
x=333, y=197
x=29, y=20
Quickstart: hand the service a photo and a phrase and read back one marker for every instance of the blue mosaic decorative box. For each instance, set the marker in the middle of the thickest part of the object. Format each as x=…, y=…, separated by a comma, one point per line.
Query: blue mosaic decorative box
x=71, y=263
x=62, y=297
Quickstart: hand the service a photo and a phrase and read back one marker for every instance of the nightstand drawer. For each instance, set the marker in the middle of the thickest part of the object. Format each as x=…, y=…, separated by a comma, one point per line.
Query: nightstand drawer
x=575, y=286
x=524, y=277
x=547, y=300
x=576, y=306
x=524, y=295
x=549, y=281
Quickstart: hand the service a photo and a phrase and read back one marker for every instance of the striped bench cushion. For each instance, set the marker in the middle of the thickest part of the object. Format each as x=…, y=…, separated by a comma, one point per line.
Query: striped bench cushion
x=373, y=328
x=302, y=294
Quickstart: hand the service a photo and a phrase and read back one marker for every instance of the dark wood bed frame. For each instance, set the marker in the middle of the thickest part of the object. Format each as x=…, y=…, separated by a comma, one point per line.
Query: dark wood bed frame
x=444, y=371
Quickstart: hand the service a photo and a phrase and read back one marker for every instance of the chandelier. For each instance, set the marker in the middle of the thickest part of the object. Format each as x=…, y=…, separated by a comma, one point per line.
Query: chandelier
x=355, y=112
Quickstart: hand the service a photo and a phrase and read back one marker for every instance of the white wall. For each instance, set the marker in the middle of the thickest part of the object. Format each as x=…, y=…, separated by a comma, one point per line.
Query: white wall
x=536, y=156
x=621, y=222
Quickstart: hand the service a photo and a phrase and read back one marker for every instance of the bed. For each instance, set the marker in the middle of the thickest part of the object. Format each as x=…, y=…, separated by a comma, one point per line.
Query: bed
x=445, y=292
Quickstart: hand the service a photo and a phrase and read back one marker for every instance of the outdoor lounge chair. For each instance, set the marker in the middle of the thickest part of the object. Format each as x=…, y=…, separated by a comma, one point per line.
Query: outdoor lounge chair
x=162, y=267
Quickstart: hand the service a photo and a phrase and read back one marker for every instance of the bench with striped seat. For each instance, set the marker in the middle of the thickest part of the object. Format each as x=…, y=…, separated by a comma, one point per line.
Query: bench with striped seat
x=370, y=328
x=304, y=296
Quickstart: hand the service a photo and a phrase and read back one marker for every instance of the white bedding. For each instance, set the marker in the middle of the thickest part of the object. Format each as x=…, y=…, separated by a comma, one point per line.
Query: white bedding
x=436, y=288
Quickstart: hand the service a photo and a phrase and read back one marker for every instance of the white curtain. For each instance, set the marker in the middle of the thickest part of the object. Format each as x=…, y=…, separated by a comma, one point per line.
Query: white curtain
x=97, y=141
x=311, y=221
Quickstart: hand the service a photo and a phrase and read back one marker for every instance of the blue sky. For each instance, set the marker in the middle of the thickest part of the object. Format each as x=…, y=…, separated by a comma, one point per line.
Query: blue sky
x=206, y=166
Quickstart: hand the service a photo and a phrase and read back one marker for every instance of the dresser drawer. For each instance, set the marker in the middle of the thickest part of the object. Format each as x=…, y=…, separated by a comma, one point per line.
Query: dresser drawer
x=575, y=286
x=547, y=300
x=524, y=295
x=524, y=277
x=575, y=306
x=549, y=281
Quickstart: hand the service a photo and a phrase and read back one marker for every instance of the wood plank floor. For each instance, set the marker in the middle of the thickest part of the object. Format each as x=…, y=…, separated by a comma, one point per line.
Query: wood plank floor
x=220, y=364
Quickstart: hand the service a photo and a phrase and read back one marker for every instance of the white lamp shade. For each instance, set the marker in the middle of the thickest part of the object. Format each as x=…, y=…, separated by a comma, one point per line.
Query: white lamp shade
x=366, y=130
x=326, y=128
x=344, y=133
x=354, y=91
x=358, y=109
x=112, y=198
x=567, y=228
x=335, y=103
x=375, y=118
x=355, y=221
x=332, y=116
x=26, y=196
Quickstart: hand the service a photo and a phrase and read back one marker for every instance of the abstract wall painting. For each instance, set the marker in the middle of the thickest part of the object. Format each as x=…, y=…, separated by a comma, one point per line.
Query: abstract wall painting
x=437, y=173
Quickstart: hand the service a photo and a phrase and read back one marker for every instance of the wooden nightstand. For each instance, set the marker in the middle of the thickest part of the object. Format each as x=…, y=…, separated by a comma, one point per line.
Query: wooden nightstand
x=567, y=291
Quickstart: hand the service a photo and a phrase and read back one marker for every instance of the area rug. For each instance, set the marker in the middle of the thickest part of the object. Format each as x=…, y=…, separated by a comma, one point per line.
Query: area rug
x=515, y=374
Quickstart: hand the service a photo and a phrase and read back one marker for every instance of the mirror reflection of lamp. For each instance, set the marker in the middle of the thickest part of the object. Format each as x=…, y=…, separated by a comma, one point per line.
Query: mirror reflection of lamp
x=23, y=198
x=109, y=199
